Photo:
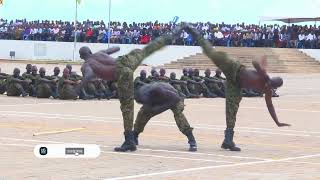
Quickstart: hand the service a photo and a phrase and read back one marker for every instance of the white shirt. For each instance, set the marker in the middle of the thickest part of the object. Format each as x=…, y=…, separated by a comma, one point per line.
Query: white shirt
x=311, y=37
x=218, y=35
x=301, y=37
x=185, y=35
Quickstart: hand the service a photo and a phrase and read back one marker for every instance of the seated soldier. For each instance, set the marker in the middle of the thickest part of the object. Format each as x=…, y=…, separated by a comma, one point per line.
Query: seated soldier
x=163, y=77
x=181, y=86
x=16, y=84
x=95, y=88
x=157, y=98
x=3, y=82
x=56, y=72
x=75, y=77
x=151, y=77
x=45, y=86
x=213, y=83
x=69, y=88
x=200, y=87
x=28, y=71
x=140, y=80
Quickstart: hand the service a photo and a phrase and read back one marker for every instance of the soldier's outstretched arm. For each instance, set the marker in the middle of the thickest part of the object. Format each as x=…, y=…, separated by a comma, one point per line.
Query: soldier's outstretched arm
x=111, y=50
x=268, y=96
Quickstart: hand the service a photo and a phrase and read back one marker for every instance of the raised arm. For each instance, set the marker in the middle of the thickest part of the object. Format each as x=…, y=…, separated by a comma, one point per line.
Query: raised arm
x=111, y=50
x=268, y=96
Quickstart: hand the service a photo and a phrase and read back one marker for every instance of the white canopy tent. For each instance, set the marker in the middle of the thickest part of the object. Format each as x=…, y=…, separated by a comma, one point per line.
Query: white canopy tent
x=290, y=19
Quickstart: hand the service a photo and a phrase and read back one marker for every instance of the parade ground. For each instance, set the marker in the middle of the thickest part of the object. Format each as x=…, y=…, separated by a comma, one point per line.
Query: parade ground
x=268, y=152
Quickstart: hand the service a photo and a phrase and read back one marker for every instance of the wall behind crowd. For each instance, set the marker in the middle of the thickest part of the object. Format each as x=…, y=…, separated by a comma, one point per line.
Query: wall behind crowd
x=46, y=50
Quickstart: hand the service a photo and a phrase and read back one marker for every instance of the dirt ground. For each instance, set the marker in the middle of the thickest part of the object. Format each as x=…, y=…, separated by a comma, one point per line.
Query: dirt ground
x=268, y=152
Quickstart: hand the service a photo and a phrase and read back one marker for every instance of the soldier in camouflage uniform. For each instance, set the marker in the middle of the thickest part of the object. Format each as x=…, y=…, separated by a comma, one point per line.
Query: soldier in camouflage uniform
x=157, y=98
x=201, y=87
x=103, y=66
x=162, y=77
x=16, y=84
x=3, y=82
x=31, y=88
x=151, y=77
x=238, y=76
x=56, y=72
x=140, y=80
x=68, y=88
x=46, y=86
x=181, y=86
x=28, y=71
x=213, y=83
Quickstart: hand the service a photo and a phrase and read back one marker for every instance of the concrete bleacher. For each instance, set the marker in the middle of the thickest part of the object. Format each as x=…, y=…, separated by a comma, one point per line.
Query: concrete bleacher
x=280, y=60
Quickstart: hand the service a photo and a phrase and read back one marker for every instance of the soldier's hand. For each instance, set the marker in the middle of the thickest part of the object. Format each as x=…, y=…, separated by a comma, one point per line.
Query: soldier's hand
x=283, y=124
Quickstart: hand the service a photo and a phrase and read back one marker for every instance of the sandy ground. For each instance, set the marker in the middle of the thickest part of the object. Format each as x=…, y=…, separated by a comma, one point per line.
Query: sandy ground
x=268, y=152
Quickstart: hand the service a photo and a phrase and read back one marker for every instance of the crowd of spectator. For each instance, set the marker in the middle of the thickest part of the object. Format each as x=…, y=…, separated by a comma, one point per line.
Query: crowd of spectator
x=236, y=35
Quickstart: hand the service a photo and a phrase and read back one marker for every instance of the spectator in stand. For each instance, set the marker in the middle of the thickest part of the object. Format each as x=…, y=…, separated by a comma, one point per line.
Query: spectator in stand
x=302, y=39
x=310, y=40
x=219, y=34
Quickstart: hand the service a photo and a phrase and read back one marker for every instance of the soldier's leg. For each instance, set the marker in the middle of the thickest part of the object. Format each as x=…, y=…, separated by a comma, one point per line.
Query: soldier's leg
x=126, y=97
x=186, y=91
x=142, y=119
x=19, y=90
x=183, y=125
x=69, y=92
x=43, y=91
x=233, y=98
x=205, y=91
x=3, y=87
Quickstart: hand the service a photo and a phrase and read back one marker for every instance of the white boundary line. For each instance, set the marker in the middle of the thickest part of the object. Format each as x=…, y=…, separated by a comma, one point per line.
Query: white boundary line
x=212, y=167
x=154, y=150
x=165, y=157
x=159, y=123
x=251, y=107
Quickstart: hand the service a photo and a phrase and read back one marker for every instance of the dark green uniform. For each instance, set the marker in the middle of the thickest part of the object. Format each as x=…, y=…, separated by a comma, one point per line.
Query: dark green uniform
x=3, y=83
x=30, y=88
x=14, y=88
x=67, y=91
x=126, y=65
x=144, y=116
x=231, y=69
x=44, y=89
x=191, y=87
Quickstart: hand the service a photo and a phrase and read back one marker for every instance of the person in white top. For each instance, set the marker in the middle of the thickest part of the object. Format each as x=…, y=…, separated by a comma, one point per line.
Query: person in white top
x=310, y=40
x=302, y=39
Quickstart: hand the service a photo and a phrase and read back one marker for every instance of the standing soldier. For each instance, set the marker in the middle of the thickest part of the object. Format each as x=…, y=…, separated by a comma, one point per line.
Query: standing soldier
x=103, y=66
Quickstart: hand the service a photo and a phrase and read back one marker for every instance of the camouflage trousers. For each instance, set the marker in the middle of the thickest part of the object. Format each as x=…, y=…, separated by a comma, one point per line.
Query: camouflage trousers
x=144, y=116
x=46, y=90
x=231, y=69
x=126, y=65
x=15, y=89
x=3, y=87
x=69, y=92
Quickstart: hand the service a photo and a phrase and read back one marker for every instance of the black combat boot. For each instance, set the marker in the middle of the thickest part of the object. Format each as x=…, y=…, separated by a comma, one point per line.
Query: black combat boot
x=136, y=137
x=228, y=140
x=192, y=142
x=128, y=144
